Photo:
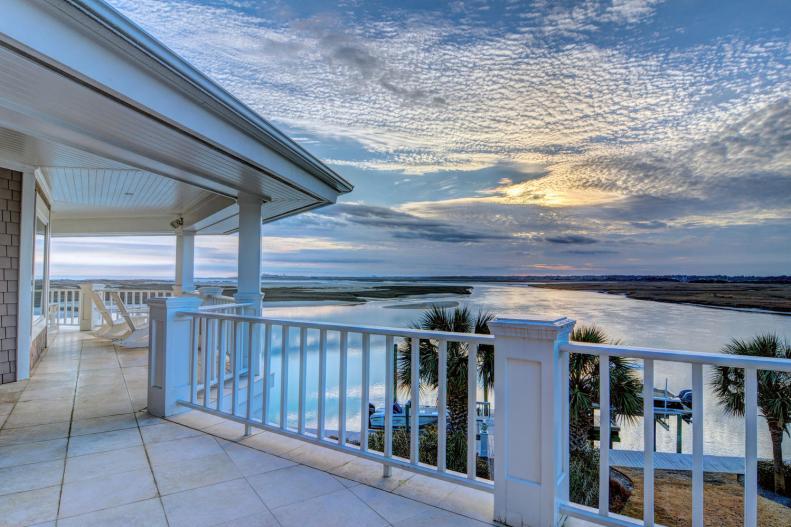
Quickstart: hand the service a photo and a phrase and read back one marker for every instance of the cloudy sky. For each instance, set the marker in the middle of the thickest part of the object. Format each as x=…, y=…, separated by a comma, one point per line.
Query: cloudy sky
x=507, y=137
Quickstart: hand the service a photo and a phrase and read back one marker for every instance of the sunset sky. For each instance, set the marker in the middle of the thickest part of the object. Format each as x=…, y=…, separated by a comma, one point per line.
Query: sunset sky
x=625, y=136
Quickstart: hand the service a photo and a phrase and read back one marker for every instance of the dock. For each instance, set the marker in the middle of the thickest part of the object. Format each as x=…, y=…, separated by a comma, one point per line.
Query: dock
x=672, y=461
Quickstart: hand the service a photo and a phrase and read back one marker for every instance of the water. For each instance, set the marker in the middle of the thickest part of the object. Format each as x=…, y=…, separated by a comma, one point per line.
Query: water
x=633, y=322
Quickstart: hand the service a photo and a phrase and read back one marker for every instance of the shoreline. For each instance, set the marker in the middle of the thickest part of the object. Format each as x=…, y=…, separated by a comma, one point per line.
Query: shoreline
x=738, y=296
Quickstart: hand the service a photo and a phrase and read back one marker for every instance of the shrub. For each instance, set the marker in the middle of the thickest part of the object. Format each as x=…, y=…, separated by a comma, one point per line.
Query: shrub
x=456, y=449
x=766, y=475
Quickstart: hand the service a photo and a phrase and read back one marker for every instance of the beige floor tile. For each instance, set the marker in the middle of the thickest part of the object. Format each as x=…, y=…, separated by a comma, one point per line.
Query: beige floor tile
x=182, y=449
x=265, y=519
x=104, y=441
x=370, y=473
x=251, y=461
x=212, y=505
x=32, y=434
x=147, y=513
x=30, y=416
x=100, y=409
x=428, y=490
x=337, y=509
x=196, y=419
x=319, y=457
x=104, y=463
x=469, y=502
x=166, y=432
x=61, y=392
x=109, y=423
x=198, y=472
x=292, y=484
x=391, y=507
x=439, y=518
x=28, y=477
x=273, y=443
x=31, y=507
x=107, y=491
x=146, y=419
x=26, y=453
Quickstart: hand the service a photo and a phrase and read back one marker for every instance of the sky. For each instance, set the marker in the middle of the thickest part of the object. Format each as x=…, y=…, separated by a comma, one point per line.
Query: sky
x=503, y=137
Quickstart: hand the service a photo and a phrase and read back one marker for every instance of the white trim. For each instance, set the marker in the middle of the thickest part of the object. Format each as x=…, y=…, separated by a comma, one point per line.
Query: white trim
x=27, y=218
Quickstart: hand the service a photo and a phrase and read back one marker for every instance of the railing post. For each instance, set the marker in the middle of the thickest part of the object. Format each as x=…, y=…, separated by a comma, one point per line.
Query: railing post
x=169, y=353
x=530, y=390
x=253, y=311
x=87, y=312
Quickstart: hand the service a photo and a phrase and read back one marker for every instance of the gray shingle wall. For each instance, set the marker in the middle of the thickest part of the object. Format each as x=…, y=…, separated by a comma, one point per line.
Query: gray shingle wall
x=10, y=206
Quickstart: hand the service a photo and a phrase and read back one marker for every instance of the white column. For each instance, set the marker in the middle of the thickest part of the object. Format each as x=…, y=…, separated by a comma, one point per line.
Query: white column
x=185, y=262
x=249, y=272
x=529, y=394
x=87, y=309
x=169, y=353
x=249, y=251
x=27, y=223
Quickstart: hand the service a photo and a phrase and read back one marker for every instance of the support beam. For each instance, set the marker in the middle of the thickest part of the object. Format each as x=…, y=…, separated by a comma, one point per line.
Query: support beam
x=185, y=262
x=27, y=222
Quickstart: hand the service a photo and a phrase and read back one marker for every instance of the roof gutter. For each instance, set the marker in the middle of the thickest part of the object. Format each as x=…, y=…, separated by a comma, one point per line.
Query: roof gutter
x=256, y=125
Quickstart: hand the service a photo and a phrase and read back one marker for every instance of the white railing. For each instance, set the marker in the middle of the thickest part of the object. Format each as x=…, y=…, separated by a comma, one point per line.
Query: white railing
x=748, y=364
x=190, y=345
x=64, y=307
x=227, y=342
x=65, y=303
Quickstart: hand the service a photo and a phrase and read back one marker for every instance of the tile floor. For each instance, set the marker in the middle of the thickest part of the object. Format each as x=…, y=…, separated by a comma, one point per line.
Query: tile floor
x=77, y=448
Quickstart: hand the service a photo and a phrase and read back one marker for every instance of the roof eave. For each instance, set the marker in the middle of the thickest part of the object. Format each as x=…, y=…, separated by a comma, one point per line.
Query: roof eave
x=234, y=109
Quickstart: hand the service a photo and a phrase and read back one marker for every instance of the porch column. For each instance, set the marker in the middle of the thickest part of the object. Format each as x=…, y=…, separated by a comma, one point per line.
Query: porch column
x=27, y=223
x=249, y=252
x=169, y=353
x=185, y=262
x=531, y=420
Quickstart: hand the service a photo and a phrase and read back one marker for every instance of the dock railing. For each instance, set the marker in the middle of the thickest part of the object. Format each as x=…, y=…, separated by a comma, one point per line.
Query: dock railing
x=530, y=405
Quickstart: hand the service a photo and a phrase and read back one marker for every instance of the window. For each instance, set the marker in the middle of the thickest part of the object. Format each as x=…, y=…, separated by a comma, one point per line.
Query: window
x=39, y=266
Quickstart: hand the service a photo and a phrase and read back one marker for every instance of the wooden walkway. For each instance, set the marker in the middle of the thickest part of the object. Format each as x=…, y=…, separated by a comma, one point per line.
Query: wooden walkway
x=672, y=461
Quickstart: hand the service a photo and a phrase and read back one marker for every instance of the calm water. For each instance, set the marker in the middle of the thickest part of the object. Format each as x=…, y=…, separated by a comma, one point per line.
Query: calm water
x=633, y=322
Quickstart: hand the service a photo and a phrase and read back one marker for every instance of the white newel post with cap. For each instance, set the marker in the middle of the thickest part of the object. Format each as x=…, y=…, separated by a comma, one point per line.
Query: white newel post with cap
x=531, y=400
x=169, y=353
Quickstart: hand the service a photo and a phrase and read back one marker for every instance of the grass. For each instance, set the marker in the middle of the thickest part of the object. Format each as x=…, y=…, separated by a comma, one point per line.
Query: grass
x=723, y=501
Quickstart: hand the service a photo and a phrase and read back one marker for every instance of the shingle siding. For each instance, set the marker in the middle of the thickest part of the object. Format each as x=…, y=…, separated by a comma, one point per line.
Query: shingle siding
x=10, y=205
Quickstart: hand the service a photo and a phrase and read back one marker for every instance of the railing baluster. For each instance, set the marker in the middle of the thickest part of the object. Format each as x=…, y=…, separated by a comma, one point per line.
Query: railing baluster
x=235, y=367
x=206, y=363
x=648, y=442
x=472, y=399
x=266, y=371
x=604, y=434
x=220, y=330
x=194, y=336
x=303, y=368
x=389, y=389
x=322, y=402
x=750, y=447
x=697, y=445
x=250, y=373
x=284, y=379
x=414, y=415
x=442, y=405
x=344, y=350
x=366, y=372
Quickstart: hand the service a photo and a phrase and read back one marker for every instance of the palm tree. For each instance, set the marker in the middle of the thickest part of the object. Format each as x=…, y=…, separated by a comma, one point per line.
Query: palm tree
x=626, y=402
x=458, y=320
x=774, y=392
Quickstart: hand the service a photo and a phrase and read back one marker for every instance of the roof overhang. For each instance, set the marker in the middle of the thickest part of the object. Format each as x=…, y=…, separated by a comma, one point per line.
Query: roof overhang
x=76, y=76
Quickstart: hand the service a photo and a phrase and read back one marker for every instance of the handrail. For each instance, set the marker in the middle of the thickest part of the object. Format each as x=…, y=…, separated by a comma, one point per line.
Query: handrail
x=220, y=307
x=689, y=357
x=473, y=338
x=230, y=361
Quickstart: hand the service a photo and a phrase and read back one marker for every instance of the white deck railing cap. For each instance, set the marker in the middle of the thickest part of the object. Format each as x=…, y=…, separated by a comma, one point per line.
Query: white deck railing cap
x=539, y=328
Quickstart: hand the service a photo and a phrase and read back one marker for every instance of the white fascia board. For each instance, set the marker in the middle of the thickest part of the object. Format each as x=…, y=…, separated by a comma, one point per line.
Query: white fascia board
x=96, y=44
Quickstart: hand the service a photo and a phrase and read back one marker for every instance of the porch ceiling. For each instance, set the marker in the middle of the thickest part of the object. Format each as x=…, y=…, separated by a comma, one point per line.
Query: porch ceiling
x=120, y=127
